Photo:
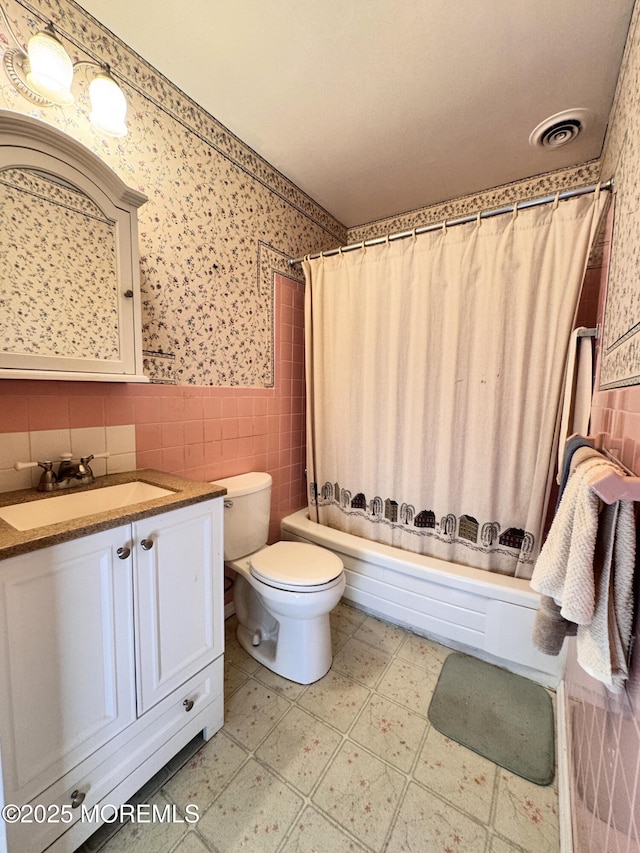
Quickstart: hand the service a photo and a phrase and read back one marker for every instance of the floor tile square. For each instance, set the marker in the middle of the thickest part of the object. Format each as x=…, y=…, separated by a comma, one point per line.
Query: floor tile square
x=426, y=823
x=408, y=684
x=361, y=793
x=382, y=635
x=252, y=712
x=154, y=836
x=280, y=685
x=390, y=731
x=253, y=814
x=203, y=777
x=299, y=748
x=456, y=773
x=423, y=653
x=527, y=814
x=361, y=662
x=313, y=833
x=335, y=699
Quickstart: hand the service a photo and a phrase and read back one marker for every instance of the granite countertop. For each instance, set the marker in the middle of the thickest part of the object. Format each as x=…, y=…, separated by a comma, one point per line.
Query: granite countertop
x=14, y=542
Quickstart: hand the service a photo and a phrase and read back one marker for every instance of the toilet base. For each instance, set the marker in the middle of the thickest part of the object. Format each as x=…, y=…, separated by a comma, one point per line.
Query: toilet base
x=298, y=649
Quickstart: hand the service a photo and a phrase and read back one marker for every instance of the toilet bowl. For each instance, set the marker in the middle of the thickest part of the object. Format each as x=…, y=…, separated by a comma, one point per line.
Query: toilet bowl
x=283, y=593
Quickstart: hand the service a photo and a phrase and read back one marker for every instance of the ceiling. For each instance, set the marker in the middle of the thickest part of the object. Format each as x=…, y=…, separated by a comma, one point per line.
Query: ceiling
x=377, y=107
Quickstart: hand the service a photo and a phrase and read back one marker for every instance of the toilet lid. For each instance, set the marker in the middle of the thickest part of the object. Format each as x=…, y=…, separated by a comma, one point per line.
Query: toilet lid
x=295, y=564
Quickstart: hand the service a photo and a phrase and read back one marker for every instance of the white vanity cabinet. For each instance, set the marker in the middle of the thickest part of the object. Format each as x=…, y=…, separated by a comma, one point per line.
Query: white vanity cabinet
x=110, y=662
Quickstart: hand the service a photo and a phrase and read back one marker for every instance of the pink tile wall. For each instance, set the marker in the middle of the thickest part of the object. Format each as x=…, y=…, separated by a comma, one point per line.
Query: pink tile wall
x=604, y=728
x=199, y=432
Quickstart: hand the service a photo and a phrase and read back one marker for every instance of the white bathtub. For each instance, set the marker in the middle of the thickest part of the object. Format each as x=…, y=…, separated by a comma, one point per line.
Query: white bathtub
x=483, y=613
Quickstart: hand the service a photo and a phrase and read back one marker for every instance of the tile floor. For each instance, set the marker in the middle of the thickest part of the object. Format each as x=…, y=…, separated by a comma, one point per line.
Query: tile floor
x=347, y=764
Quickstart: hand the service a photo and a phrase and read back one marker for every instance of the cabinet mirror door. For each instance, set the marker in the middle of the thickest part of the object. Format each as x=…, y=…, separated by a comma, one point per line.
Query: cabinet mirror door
x=69, y=290
x=59, y=294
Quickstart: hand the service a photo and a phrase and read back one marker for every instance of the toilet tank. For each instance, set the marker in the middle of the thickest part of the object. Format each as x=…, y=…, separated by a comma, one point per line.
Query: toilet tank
x=247, y=508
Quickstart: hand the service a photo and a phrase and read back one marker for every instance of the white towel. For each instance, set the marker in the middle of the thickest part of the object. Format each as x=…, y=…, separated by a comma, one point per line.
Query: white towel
x=564, y=568
x=586, y=565
x=603, y=645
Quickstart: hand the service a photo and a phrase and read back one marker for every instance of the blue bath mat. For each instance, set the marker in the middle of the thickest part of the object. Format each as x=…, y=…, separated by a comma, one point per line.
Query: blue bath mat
x=501, y=716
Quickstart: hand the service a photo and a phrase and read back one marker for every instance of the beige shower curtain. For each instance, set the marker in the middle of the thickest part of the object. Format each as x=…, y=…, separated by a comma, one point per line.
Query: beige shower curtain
x=434, y=375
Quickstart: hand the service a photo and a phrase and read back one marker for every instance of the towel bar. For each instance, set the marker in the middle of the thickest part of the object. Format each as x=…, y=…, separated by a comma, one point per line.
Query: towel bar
x=614, y=485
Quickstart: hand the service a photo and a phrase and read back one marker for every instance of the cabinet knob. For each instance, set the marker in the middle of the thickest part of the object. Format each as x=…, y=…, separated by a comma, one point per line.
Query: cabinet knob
x=147, y=544
x=123, y=553
x=188, y=704
x=77, y=798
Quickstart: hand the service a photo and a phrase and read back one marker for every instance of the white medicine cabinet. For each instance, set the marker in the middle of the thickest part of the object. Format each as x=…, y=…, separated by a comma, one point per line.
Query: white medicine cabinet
x=70, y=279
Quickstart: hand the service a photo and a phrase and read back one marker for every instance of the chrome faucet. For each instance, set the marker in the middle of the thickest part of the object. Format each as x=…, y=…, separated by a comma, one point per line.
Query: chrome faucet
x=73, y=473
x=69, y=475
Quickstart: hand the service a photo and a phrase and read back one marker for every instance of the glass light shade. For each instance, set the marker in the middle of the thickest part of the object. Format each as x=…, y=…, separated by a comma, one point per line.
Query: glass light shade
x=50, y=67
x=108, y=105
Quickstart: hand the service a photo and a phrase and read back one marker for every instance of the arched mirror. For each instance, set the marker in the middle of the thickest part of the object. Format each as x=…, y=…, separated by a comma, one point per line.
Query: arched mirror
x=69, y=289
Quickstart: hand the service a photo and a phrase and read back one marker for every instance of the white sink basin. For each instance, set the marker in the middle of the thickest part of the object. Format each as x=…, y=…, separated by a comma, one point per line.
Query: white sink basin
x=70, y=506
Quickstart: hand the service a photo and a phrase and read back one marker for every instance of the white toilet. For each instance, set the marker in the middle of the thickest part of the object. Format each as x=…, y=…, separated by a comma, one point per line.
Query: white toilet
x=283, y=593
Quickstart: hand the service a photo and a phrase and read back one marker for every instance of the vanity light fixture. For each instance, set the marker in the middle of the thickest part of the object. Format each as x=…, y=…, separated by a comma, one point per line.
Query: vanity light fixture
x=44, y=74
x=50, y=68
x=108, y=104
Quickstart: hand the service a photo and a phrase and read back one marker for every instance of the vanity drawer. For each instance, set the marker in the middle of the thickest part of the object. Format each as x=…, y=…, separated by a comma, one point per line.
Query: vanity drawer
x=121, y=767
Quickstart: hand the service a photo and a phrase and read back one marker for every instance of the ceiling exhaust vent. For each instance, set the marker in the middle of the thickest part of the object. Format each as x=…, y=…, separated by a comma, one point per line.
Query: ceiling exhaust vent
x=559, y=129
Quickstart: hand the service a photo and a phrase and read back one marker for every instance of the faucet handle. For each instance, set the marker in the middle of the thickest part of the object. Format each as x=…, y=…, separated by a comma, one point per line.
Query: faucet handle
x=86, y=459
x=48, y=479
x=20, y=466
x=85, y=474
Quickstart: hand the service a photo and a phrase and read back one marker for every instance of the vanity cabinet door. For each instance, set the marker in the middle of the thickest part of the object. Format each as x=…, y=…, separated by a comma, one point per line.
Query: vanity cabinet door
x=178, y=594
x=66, y=658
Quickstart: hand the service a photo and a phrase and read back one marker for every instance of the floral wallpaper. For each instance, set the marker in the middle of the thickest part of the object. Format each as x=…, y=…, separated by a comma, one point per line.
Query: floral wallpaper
x=536, y=187
x=59, y=256
x=620, y=355
x=219, y=221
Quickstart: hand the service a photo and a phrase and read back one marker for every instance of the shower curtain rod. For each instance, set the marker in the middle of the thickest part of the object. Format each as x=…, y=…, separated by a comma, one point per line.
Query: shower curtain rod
x=463, y=220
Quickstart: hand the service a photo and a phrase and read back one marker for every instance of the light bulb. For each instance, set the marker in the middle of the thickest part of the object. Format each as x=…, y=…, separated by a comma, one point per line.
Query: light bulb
x=108, y=105
x=50, y=67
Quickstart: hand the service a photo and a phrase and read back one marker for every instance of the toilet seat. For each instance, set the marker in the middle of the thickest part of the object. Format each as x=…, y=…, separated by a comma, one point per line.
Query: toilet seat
x=296, y=566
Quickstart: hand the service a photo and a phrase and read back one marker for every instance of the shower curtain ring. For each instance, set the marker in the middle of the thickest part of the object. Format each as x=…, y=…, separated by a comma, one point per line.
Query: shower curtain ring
x=444, y=228
x=479, y=219
x=556, y=201
x=596, y=194
x=515, y=210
